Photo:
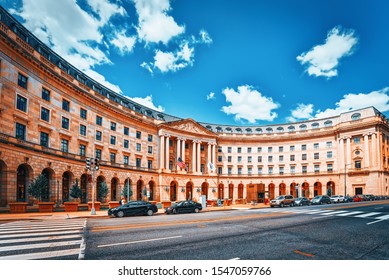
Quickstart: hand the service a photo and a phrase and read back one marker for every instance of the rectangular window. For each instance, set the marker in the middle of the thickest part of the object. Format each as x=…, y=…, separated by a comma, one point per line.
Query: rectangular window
x=229, y=158
x=249, y=171
x=150, y=164
x=239, y=170
x=259, y=149
x=138, y=162
x=82, y=130
x=150, y=138
x=65, y=123
x=113, y=140
x=202, y=168
x=316, y=156
x=292, y=157
x=113, y=126
x=293, y=169
x=126, y=144
x=358, y=164
x=281, y=170
x=329, y=167
x=126, y=160
x=22, y=81
x=270, y=149
x=229, y=149
x=249, y=159
x=112, y=157
x=138, y=134
x=21, y=103
x=281, y=158
x=45, y=94
x=44, y=139
x=219, y=149
x=220, y=170
x=329, y=154
x=99, y=120
x=329, y=144
x=98, y=153
x=239, y=149
x=239, y=159
x=126, y=130
x=316, y=168
x=82, y=150
x=291, y=148
x=304, y=169
x=98, y=135
x=270, y=158
x=138, y=147
x=45, y=114
x=304, y=147
x=304, y=157
x=280, y=149
x=20, y=131
x=150, y=149
x=219, y=158
x=259, y=158
x=259, y=170
x=357, y=140
x=82, y=113
x=65, y=105
x=316, y=146
x=229, y=170
x=249, y=150
x=64, y=145
x=270, y=169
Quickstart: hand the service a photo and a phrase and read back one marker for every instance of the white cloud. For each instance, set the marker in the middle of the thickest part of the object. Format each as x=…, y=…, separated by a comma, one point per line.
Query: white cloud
x=352, y=101
x=155, y=25
x=211, y=95
x=171, y=61
x=303, y=111
x=323, y=60
x=148, y=102
x=124, y=43
x=105, y=9
x=249, y=104
x=204, y=37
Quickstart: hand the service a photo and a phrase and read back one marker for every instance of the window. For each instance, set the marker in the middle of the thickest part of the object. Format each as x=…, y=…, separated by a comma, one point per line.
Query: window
x=281, y=170
x=329, y=167
x=138, y=147
x=65, y=123
x=239, y=159
x=229, y=170
x=112, y=157
x=292, y=157
x=270, y=149
x=45, y=114
x=45, y=94
x=316, y=156
x=291, y=148
x=220, y=170
x=22, y=81
x=259, y=170
x=316, y=146
x=126, y=144
x=249, y=159
x=150, y=138
x=150, y=149
x=99, y=120
x=280, y=149
x=304, y=169
x=82, y=150
x=304, y=147
x=357, y=140
x=270, y=158
x=20, y=131
x=21, y=103
x=64, y=145
x=259, y=158
x=113, y=126
x=65, y=105
x=138, y=134
x=126, y=131
x=316, y=168
x=82, y=113
x=219, y=158
x=281, y=158
x=293, y=169
x=239, y=149
x=229, y=149
x=249, y=150
x=249, y=171
x=149, y=164
x=219, y=149
x=304, y=157
x=329, y=154
x=98, y=153
x=202, y=168
x=355, y=116
x=270, y=169
x=229, y=158
x=126, y=160
x=239, y=170
x=98, y=135
x=259, y=149
x=82, y=130
x=358, y=164
x=138, y=162
x=112, y=140
x=44, y=139
x=201, y=147
x=329, y=144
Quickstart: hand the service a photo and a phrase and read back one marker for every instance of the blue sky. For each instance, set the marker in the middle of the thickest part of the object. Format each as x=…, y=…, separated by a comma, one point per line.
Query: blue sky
x=225, y=62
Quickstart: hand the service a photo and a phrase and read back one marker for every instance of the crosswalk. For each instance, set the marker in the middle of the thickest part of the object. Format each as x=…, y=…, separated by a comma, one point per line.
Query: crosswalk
x=42, y=239
x=330, y=212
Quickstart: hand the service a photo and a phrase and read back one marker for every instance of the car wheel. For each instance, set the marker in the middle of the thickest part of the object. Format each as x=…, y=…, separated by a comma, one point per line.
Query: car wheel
x=120, y=214
x=149, y=212
x=174, y=211
x=196, y=210
x=281, y=205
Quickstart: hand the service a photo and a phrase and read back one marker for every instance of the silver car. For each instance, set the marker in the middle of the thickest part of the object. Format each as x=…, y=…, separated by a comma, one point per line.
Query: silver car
x=282, y=201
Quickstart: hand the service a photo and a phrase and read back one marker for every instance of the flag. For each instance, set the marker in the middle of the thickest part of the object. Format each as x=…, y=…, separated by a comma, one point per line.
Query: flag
x=211, y=166
x=180, y=163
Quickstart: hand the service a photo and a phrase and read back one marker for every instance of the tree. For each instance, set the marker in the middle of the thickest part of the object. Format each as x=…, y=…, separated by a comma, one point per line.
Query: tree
x=39, y=188
x=75, y=191
x=126, y=191
x=102, y=191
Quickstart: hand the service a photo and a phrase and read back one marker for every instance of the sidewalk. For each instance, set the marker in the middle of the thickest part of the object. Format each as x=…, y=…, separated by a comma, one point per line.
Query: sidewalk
x=103, y=213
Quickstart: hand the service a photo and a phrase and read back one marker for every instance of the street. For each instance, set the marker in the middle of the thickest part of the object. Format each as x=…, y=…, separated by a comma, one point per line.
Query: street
x=351, y=231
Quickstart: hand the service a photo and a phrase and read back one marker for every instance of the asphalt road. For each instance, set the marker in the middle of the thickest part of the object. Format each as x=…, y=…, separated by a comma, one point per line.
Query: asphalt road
x=352, y=231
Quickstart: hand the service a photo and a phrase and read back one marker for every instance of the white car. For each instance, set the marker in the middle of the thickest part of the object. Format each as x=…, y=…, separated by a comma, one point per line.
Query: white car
x=337, y=198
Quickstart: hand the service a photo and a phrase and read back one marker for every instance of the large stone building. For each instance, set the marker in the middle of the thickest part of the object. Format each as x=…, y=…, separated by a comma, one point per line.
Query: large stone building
x=53, y=117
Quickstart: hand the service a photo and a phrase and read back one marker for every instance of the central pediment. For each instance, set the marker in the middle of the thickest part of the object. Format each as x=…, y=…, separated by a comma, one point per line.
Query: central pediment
x=187, y=126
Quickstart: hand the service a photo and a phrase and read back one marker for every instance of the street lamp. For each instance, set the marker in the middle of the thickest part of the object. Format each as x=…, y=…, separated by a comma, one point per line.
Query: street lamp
x=345, y=168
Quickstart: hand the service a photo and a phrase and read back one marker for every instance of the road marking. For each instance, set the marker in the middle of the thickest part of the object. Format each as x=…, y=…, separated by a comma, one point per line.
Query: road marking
x=234, y=259
x=318, y=212
x=40, y=245
x=375, y=222
x=51, y=238
x=350, y=213
x=138, y=241
x=385, y=217
x=321, y=217
x=304, y=254
x=43, y=255
x=378, y=207
x=333, y=213
x=39, y=234
x=368, y=214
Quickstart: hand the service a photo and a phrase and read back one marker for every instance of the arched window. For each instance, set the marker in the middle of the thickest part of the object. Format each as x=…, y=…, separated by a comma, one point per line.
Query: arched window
x=355, y=116
x=315, y=125
x=291, y=128
x=328, y=123
x=280, y=129
x=269, y=130
x=303, y=127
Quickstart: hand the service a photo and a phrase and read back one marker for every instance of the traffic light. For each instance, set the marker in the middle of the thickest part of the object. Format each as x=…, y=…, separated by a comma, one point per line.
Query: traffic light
x=97, y=164
x=88, y=163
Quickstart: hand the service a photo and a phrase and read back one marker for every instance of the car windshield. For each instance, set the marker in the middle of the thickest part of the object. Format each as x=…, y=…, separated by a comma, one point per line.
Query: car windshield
x=316, y=197
x=280, y=197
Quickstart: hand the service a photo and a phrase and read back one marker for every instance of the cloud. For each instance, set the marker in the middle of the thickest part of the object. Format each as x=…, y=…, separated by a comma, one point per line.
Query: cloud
x=124, y=43
x=148, y=102
x=249, y=104
x=204, y=37
x=211, y=95
x=303, y=111
x=352, y=101
x=323, y=60
x=155, y=25
x=171, y=61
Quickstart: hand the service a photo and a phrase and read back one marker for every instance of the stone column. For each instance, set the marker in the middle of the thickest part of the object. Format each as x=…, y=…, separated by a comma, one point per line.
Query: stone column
x=348, y=151
x=178, y=152
x=209, y=152
x=214, y=154
x=167, y=152
x=194, y=156
x=198, y=157
x=162, y=152
x=183, y=150
x=341, y=154
x=373, y=149
x=366, y=148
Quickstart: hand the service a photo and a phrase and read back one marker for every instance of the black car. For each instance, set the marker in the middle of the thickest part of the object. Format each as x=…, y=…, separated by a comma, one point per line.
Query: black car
x=321, y=199
x=133, y=208
x=185, y=206
x=302, y=201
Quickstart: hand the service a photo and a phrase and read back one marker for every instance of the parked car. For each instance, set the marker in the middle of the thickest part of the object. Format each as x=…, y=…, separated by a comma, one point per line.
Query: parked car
x=185, y=206
x=321, y=199
x=302, y=201
x=358, y=198
x=369, y=197
x=133, y=208
x=282, y=201
x=348, y=198
x=337, y=198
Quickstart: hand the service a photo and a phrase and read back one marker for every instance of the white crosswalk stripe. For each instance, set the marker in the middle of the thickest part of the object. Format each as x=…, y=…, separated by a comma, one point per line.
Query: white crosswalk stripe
x=42, y=239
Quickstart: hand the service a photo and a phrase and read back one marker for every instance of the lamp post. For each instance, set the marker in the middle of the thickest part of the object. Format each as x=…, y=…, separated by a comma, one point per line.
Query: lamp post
x=345, y=168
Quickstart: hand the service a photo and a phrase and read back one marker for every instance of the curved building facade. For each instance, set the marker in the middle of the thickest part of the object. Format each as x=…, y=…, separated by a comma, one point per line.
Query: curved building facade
x=53, y=117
